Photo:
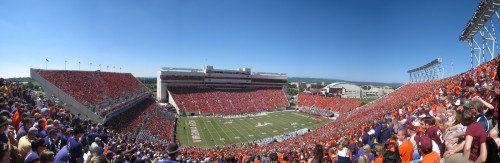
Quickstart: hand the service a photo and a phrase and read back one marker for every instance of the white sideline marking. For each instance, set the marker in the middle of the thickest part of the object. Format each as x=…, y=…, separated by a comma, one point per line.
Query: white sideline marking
x=237, y=137
x=250, y=135
x=264, y=133
x=275, y=131
x=222, y=139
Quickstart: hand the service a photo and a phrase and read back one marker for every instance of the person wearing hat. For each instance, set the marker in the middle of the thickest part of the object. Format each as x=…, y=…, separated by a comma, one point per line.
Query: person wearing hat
x=94, y=147
x=50, y=140
x=7, y=132
x=372, y=140
x=27, y=124
x=24, y=145
x=425, y=148
x=172, y=153
x=75, y=148
x=412, y=130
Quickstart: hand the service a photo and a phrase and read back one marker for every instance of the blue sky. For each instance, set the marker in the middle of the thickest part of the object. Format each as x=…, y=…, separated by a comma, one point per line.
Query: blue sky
x=361, y=40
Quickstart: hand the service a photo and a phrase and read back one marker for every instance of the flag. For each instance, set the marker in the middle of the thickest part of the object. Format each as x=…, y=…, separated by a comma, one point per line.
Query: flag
x=46, y=60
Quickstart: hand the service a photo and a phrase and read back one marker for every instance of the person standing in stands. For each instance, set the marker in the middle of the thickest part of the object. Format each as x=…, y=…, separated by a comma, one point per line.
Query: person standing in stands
x=24, y=145
x=27, y=124
x=75, y=148
x=173, y=151
x=433, y=132
x=405, y=147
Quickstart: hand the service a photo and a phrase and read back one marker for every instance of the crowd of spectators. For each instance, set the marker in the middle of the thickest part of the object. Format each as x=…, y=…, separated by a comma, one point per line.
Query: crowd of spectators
x=227, y=101
x=448, y=120
x=101, y=92
x=329, y=103
x=415, y=123
x=317, y=111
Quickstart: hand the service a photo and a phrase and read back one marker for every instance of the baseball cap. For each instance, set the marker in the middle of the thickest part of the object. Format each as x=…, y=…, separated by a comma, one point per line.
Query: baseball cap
x=33, y=131
x=4, y=120
x=5, y=113
x=412, y=127
x=371, y=132
x=424, y=142
x=496, y=83
x=172, y=148
x=416, y=124
x=467, y=104
x=457, y=103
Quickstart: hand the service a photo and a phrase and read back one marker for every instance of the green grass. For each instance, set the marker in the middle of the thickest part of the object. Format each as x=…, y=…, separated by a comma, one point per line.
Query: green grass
x=223, y=131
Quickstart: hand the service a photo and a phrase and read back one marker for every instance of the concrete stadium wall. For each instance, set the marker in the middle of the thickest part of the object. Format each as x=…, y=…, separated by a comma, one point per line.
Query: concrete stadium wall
x=72, y=105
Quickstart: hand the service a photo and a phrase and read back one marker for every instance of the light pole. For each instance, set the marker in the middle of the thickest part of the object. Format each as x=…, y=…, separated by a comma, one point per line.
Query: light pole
x=65, y=61
x=90, y=66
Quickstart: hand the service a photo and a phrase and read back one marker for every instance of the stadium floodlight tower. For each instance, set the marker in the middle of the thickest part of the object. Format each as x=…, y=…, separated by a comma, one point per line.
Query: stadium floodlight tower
x=430, y=71
x=486, y=42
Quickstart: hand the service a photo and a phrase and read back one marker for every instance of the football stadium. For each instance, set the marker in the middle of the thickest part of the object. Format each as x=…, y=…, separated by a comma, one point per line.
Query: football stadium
x=212, y=114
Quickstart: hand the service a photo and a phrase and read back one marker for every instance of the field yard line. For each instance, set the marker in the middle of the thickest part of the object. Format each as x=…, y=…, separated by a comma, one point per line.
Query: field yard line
x=286, y=125
x=240, y=135
x=247, y=130
x=188, y=137
x=222, y=129
x=268, y=134
x=208, y=130
x=215, y=140
x=280, y=127
x=201, y=131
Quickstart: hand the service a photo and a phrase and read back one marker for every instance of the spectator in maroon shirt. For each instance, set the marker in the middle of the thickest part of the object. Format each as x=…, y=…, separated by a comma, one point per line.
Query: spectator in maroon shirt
x=434, y=133
x=474, y=146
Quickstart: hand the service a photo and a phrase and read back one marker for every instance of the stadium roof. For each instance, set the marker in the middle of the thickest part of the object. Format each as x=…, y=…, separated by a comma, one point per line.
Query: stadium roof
x=483, y=13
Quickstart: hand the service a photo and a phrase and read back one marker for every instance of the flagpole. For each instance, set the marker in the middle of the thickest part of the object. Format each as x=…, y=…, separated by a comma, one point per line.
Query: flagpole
x=65, y=61
x=90, y=66
x=79, y=66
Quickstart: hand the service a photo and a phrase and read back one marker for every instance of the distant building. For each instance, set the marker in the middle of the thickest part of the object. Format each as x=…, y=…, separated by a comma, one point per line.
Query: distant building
x=348, y=90
x=298, y=84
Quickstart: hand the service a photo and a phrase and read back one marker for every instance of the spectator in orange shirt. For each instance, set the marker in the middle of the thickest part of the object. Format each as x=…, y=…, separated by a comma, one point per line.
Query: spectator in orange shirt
x=405, y=147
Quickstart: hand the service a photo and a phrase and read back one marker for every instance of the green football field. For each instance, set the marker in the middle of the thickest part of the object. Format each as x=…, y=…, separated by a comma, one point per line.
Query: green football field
x=221, y=131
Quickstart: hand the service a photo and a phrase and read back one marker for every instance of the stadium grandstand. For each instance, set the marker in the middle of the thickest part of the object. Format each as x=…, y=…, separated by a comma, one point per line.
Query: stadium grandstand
x=327, y=103
x=436, y=119
x=93, y=94
x=210, y=91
